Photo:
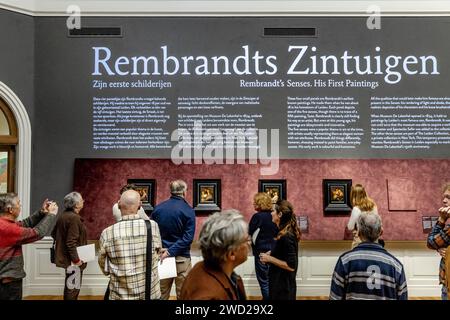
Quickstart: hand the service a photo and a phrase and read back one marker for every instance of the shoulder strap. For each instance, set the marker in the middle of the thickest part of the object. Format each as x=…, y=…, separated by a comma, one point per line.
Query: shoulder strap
x=149, y=258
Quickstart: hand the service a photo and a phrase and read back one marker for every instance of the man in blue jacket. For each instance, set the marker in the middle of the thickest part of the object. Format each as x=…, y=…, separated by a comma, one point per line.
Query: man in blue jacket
x=176, y=221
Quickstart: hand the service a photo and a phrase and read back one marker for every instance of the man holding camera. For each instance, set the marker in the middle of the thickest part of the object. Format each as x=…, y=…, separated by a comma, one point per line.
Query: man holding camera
x=439, y=239
x=13, y=234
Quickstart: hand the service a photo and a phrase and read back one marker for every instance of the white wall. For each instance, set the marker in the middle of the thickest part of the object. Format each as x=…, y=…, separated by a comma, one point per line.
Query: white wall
x=228, y=8
x=317, y=261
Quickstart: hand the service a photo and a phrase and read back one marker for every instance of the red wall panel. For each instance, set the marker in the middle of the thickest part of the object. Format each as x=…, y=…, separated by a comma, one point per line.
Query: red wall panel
x=99, y=180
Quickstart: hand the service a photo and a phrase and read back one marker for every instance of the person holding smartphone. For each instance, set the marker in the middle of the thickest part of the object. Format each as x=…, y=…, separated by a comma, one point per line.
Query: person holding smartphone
x=13, y=234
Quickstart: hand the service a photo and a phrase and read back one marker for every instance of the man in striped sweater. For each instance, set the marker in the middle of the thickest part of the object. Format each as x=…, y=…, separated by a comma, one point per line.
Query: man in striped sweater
x=368, y=272
x=13, y=234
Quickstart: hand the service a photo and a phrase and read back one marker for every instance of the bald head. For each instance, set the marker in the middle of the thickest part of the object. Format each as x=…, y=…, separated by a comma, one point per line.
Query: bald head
x=129, y=202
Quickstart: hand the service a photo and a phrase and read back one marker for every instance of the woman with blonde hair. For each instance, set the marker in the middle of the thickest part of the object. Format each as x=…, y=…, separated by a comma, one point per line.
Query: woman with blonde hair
x=263, y=232
x=360, y=203
x=283, y=259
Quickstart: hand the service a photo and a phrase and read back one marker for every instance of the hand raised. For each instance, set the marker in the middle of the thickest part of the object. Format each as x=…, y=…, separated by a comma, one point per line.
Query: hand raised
x=53, y=208
x=44, y=206
x=444, y=213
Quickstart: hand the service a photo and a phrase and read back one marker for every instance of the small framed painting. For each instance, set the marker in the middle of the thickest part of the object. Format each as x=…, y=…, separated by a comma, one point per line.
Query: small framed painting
x=207, y=195
x=336, y=196
x=276, y=189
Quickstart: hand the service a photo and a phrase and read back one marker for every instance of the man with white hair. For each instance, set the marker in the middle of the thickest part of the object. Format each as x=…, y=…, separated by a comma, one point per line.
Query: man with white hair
x=123, y=253
x=176, y=220
x=368, y=272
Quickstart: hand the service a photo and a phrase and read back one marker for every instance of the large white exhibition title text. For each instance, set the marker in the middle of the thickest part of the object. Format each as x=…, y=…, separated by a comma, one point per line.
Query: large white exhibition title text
x=303, y=60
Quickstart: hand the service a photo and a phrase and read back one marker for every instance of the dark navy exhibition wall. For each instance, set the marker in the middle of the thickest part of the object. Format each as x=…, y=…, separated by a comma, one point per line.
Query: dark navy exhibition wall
x=75, y=107
x=404, y=190
x=17, y=57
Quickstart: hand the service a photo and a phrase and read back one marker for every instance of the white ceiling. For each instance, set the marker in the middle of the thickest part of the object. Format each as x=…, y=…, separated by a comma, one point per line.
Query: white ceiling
x=224, y=8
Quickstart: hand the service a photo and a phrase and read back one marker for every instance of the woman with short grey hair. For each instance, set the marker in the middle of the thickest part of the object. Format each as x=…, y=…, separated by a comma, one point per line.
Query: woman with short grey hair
x=72, y=200
x=70, y=233
x=224, y=244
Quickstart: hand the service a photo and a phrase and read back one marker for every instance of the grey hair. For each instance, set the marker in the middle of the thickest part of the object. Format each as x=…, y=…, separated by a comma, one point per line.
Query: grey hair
x=369, y=226
x=178, y=187
x=221, y=233
x=7, y=200
x=71, y=200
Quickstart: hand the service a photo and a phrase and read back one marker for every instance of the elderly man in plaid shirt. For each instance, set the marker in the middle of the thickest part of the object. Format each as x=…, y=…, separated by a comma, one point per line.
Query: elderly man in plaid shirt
x=439, y=238
x=123, y=249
